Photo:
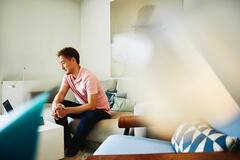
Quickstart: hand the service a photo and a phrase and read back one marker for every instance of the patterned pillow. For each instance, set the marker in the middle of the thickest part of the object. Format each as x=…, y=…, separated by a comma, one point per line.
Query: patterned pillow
x=201, y=137
x=110, y=95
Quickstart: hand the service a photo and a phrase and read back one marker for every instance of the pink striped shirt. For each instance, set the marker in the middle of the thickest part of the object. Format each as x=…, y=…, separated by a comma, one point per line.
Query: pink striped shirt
x=86, y=83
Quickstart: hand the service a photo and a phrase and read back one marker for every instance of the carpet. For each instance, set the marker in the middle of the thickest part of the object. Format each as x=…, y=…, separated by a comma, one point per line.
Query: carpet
x=85, y=152
x=82, y=154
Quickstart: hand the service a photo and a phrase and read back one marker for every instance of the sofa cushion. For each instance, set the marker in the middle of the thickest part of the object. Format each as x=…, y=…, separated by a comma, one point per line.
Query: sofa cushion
x=121, y=144
x=201, y=137
x=103, y=128
x=123, y=105
x=124, y=86
x=109, y=84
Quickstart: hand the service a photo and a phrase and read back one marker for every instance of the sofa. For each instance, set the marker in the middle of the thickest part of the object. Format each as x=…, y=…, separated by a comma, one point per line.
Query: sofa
x=188, y=137
x=103, y=128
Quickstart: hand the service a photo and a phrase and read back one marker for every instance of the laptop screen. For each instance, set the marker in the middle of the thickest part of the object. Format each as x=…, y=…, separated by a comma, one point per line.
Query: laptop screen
x=7, y=106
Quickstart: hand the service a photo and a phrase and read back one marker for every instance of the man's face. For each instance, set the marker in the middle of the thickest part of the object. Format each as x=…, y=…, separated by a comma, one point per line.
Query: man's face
x=67, y=64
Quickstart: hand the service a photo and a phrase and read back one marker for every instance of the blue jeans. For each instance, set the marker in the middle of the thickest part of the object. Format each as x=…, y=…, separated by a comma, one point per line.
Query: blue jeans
x=88, y=120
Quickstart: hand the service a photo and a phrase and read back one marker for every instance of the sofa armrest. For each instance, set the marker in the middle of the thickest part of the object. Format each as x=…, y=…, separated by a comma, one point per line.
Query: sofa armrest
x=139, y=109
x=131, y=122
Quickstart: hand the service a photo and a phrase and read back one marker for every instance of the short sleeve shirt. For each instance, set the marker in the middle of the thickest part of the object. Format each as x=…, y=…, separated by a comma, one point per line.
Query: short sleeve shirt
x=86, y=83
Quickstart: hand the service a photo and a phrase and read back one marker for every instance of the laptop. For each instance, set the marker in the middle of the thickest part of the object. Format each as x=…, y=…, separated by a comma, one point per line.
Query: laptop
x=8, y=107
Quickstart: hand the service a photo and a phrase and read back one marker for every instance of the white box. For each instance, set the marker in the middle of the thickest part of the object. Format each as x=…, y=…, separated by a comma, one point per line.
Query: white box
x=50, y=142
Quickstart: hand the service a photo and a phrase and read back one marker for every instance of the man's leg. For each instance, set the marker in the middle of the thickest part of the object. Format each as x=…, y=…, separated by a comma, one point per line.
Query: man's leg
x=64, y=122
x=87, y=122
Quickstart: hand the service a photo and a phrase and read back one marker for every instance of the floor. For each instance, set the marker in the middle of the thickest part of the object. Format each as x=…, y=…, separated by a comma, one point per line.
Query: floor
x=83, y=153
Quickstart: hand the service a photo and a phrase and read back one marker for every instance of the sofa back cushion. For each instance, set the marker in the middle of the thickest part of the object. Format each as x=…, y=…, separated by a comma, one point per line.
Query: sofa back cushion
x=201, y=137
x=109, y=84
x=123, y=105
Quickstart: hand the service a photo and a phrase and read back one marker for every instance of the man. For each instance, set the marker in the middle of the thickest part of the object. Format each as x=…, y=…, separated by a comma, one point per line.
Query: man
x=93, y=104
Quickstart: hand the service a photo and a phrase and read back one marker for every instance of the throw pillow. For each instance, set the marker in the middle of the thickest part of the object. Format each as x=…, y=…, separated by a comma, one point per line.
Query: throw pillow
x=201, y=137
x=121, y=94
x=110, y=95
x=123, y=105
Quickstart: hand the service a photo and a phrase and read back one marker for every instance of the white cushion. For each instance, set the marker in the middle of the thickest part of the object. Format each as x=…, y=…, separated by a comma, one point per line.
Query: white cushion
x=120, y=144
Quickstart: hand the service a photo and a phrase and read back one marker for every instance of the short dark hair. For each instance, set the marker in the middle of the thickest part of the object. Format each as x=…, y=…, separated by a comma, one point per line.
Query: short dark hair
x=69, y=52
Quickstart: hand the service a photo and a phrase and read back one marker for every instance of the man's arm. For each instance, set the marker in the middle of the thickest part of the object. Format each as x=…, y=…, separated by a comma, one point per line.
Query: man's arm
x=91, y=105
x=59, y=96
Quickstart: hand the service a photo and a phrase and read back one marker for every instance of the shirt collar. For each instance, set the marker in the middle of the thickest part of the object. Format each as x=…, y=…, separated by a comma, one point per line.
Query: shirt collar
x=79, y=76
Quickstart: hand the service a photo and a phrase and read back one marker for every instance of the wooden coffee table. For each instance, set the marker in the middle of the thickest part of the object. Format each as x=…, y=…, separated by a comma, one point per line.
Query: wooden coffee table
x=171, y=156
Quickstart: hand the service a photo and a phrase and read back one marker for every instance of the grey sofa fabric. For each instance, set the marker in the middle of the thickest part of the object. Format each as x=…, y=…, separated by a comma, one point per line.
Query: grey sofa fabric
x=103, y=128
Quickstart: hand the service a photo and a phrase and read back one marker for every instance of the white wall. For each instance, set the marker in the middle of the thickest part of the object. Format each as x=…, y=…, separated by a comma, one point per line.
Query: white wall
x=1, y=96
x=214, y=27
x=95, y=37
x=31, y=33
x=18, y=92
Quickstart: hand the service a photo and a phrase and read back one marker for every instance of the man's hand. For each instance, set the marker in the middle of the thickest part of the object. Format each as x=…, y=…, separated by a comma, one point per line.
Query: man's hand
x=61, y=111
x=55, y=108
x=59, y=98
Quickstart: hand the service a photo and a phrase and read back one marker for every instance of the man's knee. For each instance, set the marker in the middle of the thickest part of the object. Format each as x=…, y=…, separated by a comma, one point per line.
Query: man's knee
x=65, y=102
x=86, y=123
x=69, y=103
x=61, y=121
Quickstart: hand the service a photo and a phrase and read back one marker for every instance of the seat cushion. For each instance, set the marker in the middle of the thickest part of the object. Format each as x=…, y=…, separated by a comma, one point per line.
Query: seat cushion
x=103, y=128
x=121, y=144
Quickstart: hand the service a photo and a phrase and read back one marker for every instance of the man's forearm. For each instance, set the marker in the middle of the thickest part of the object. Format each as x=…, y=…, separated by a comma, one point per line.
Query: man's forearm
x=79, y=109
x=58, y=99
